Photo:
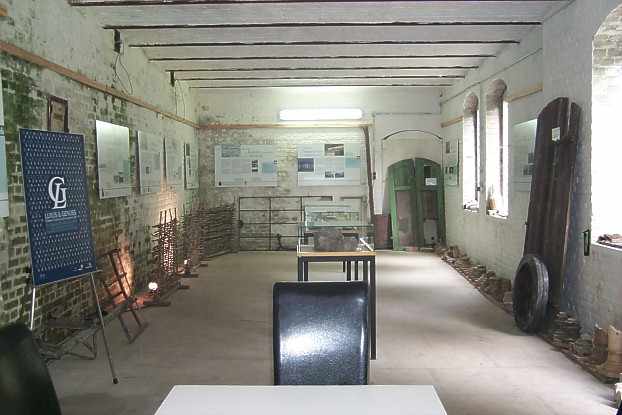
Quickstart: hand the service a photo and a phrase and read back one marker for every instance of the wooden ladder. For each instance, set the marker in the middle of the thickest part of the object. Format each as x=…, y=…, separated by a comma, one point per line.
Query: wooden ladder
x=119, y=300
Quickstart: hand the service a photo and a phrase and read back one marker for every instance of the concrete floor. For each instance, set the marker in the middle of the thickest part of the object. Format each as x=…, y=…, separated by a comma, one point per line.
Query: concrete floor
x=433, y=328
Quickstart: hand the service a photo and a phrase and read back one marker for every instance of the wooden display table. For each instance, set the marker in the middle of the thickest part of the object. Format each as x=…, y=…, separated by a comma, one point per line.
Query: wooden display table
x=307, y=254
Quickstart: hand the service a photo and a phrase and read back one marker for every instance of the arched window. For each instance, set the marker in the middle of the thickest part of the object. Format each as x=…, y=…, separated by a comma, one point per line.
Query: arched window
x=470, y=154
x=606, y=142
x=497, y=163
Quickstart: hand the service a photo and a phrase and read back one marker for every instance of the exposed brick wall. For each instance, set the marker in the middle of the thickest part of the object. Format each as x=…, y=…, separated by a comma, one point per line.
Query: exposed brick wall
x=117, y=223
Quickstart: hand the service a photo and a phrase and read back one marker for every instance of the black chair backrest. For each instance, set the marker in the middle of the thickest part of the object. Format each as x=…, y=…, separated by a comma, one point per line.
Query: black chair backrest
x=320, y=333
x=25, y=384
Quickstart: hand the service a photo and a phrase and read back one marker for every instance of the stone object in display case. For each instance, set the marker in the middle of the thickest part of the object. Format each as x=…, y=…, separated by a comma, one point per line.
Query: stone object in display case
x=328, y=239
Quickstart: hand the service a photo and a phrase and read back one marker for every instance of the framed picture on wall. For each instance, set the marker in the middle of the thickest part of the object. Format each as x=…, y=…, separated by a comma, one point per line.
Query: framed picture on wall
x=58, y=114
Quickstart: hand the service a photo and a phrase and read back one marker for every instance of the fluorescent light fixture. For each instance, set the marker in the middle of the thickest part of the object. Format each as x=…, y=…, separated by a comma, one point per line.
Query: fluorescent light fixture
x=325, y=114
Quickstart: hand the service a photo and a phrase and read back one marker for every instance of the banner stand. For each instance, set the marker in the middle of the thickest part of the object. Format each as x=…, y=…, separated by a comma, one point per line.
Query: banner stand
x=100, y=315
x=115, y=380
x=32, y=307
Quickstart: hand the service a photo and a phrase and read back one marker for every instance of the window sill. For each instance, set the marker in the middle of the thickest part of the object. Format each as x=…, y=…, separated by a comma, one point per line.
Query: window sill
x=607, y=247
x=469, y=210
x=497, y=215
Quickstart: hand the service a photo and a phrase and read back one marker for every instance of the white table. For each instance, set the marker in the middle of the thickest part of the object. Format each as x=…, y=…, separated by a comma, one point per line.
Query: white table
x=302, y=400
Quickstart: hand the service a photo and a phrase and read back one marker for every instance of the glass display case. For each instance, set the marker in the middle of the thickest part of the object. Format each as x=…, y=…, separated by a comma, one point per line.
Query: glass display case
x=344, y=237
x=331, y=215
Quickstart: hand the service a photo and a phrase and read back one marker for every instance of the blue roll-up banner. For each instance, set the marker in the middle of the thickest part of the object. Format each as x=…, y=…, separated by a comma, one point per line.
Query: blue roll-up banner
x=57, y=205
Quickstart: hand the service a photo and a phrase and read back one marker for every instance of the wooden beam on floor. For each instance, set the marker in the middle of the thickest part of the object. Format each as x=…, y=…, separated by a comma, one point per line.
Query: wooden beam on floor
x=24, y=55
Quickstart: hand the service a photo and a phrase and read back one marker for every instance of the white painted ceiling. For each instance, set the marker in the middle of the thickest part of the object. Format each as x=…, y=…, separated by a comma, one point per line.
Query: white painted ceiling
x=279, y=43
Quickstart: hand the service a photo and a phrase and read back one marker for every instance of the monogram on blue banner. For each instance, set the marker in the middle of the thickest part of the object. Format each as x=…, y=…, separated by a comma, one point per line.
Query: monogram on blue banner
x=57, y=205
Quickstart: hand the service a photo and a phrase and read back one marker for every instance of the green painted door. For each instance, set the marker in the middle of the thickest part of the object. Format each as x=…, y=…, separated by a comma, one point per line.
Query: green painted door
x=416, y=202
x=401, y=176
x=430, y=201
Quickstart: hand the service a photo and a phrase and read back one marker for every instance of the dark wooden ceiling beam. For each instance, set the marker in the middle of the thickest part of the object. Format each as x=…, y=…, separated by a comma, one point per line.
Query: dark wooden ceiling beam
x=289, y=78
x=317, y=24
x=302, y=68
x=109, y=3
x=315, y=85
x=235, y=58
x=326, y=43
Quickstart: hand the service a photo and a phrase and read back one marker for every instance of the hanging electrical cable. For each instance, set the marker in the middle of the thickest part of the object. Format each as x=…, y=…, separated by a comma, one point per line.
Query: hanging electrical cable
x=116, y=74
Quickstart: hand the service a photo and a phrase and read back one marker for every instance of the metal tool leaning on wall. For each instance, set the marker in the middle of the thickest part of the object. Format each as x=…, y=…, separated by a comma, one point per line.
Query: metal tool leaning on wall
x=539, y=278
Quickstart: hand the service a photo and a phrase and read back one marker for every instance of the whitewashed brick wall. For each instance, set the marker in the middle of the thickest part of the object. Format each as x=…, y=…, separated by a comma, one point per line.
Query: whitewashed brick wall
x=593, y=285
x=494, y=242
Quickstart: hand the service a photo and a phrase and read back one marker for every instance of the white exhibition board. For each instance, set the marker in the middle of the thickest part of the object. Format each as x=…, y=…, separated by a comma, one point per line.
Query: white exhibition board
x=245, y=165
x=150, y=147
x=191, y=164
x=4, y=180
x=174, y=163
x=522, y=150
x=323, y=164
x=451, y=163
x=113, y=160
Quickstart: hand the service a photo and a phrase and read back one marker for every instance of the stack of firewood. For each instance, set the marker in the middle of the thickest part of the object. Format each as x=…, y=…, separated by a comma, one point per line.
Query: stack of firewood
x=216, y=226
x=166, y=250
x=191, y=234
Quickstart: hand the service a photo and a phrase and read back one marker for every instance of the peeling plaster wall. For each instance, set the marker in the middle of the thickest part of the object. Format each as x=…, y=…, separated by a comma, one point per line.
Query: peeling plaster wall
x=120, y=222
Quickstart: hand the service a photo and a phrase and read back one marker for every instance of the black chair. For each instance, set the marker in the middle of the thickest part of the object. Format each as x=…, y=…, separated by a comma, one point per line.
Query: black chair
x=25, y=384
x=320, y=333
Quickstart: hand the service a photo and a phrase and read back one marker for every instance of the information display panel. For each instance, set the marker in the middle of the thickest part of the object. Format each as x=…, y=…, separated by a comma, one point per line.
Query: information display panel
x=245, y=165
x=329, y=164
